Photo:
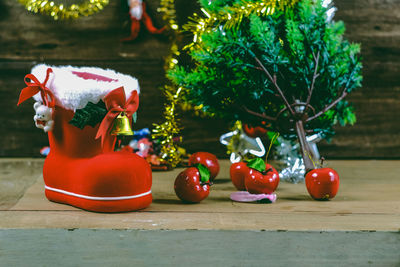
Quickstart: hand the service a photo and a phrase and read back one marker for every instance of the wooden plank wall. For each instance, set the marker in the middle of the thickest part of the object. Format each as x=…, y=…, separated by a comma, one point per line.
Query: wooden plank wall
x=27, y=39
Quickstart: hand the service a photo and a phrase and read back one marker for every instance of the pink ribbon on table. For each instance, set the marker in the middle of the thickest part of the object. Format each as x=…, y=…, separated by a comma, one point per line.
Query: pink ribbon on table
x=244, y=196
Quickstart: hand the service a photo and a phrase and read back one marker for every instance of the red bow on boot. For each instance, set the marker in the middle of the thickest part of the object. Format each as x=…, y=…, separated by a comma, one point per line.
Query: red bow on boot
x=116, y=104
x=35, y=87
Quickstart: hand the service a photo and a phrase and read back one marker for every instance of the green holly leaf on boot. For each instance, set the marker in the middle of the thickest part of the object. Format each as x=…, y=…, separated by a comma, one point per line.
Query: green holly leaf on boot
x=91, y=114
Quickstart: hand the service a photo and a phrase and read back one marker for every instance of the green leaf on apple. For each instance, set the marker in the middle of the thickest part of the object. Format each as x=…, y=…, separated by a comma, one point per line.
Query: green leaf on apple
x=204, y=173
x=257, y=164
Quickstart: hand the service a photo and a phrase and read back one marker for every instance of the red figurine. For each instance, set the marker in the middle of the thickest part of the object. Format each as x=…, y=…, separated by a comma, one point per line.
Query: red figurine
x=137, y=12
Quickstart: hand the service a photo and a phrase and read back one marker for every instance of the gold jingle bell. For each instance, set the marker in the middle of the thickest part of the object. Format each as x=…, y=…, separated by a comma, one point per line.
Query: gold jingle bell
x=121, y=125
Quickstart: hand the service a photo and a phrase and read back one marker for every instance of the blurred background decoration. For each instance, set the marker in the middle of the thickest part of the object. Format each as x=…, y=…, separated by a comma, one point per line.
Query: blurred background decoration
x=28, y=38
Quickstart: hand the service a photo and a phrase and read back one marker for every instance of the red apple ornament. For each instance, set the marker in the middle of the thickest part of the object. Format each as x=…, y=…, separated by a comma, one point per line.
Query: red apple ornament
x=322, y=184
x=261, y=177
x=192, y=185
x=237, y=172
x=207, y=159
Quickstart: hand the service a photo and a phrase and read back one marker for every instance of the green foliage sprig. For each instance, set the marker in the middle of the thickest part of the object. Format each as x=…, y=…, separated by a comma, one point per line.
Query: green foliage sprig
x=91, y=114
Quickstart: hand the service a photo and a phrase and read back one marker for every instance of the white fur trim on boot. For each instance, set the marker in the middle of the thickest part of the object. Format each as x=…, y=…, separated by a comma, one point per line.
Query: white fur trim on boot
x=74, y=92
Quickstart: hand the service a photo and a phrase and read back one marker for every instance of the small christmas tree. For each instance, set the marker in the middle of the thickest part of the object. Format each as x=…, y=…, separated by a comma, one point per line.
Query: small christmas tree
x=263, y=61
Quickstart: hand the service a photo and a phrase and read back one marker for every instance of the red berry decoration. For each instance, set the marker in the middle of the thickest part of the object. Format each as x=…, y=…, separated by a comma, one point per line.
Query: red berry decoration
x=322, y=184
x=238, y=172
x=207, y=159
x=254, y=131
x=261, y=178
x=192, y=185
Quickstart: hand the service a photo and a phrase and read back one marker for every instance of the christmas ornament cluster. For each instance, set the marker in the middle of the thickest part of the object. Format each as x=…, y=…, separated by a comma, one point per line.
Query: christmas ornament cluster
x=283, y=66
x=280, y=69
x=83, y=114
x=255, y=180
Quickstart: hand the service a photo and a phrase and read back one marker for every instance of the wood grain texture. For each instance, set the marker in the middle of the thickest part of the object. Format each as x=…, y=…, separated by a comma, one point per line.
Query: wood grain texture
x=367, y=201
x=126, y=248
x=28, y=39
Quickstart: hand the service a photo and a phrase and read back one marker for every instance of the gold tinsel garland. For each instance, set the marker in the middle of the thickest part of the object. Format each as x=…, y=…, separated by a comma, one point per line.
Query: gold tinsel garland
x=62, y=11
x=165, y=132
x=231, y=17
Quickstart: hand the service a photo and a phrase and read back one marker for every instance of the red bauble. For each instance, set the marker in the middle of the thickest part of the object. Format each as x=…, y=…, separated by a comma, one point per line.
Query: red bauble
x=322, y=184
x=188, y=186
x=237, y=172
x=262, y=183
x=207, y=159
x=254, y=131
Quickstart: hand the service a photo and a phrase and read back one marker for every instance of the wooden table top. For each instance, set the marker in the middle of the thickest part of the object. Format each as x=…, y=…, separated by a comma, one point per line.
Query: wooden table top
x=368, y=200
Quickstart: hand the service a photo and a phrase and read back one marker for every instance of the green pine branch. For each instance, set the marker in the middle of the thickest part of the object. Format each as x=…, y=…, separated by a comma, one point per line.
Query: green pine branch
x=91, y=114
x=291, y=64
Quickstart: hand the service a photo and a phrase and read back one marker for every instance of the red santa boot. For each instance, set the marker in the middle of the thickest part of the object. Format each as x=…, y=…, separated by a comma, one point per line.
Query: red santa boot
x=81, y=170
